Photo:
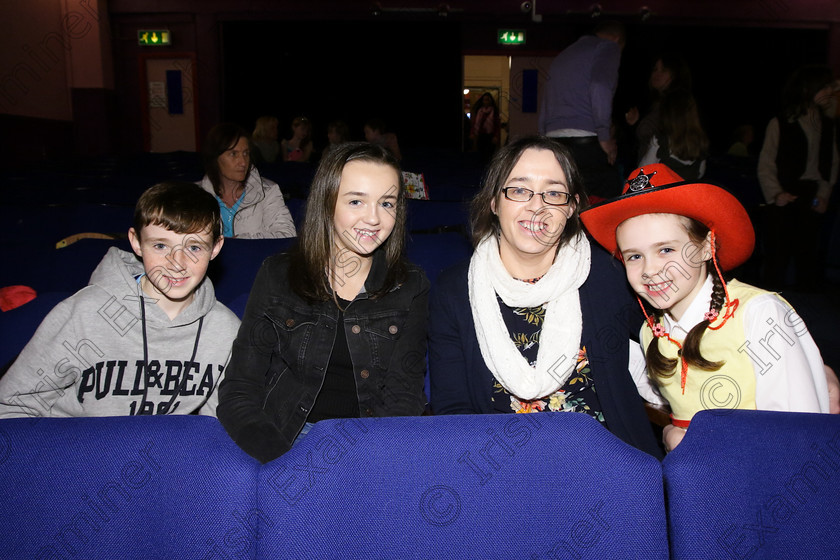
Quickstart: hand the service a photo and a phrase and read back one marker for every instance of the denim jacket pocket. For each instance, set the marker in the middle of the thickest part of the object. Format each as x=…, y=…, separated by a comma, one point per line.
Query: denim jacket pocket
x=294, y=327
x=383, y=331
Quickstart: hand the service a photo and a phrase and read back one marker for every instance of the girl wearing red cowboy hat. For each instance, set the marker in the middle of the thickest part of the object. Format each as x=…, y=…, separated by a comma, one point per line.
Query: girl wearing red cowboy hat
x=708, y=343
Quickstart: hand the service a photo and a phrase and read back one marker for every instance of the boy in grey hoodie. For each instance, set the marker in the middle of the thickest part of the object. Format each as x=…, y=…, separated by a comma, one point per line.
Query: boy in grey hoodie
x=143, y=337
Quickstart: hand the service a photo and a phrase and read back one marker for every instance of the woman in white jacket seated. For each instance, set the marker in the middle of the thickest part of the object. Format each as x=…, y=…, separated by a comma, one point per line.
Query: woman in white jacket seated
x=252, y=207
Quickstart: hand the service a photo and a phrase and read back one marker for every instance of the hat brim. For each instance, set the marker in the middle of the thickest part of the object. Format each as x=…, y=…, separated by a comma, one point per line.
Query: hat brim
x=710, y=204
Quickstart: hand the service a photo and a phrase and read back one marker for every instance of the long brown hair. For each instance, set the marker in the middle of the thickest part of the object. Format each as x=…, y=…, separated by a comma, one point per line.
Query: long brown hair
x=680, y=123
x=484, y=222
x=314, y=253
x=659, y=365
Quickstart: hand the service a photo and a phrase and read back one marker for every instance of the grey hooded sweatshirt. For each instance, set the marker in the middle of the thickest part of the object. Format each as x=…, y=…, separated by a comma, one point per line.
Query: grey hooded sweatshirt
x=89, y=355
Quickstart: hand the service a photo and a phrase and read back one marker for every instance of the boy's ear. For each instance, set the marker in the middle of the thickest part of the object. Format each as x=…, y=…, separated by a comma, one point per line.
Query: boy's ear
x=134, y=239
x=217, y=247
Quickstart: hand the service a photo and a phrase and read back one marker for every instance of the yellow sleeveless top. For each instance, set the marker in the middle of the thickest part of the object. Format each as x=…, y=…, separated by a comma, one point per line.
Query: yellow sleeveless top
x=733, y=385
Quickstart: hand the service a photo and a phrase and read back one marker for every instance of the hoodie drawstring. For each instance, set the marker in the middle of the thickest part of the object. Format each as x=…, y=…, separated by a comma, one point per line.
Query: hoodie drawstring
x=146, y=359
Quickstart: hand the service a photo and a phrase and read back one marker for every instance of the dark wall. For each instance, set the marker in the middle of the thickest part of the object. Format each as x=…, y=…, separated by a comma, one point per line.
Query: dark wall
x=408, y=74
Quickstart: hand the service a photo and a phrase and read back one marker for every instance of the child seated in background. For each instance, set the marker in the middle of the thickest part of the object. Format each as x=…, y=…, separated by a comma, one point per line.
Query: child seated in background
x=299, y=146
x=337, y=134
x=143, y=337
x=264, y=140
x=376, y=133
x=709, y=343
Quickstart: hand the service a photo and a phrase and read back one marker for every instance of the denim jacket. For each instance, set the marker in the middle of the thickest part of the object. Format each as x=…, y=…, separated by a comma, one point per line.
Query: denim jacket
x=280, y=356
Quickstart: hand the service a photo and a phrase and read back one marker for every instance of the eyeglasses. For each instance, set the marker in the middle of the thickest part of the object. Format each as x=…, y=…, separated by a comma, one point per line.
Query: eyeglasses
x=553, y=198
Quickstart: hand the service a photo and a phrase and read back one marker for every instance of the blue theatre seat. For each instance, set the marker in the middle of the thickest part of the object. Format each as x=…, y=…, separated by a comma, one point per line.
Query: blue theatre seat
x=47, y=269
x=19, y=324
x=428, y=215
x=234, y=269
x=127, y=488
x=755, y=484
x=435, y=252
x=531, y=486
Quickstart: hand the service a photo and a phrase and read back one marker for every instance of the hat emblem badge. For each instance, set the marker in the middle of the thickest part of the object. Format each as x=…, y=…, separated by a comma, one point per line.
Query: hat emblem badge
x=640, y=182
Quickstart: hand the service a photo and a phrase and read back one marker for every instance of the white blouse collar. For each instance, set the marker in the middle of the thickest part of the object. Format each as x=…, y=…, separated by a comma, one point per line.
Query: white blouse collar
x=694, y=314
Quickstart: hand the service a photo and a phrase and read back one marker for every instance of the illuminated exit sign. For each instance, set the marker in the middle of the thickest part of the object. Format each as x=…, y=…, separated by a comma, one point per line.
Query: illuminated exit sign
x=153, y=37
x=511, y=36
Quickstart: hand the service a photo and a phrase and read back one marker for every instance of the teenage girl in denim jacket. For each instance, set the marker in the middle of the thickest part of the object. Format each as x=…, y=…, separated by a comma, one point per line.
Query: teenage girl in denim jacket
x=336, y=328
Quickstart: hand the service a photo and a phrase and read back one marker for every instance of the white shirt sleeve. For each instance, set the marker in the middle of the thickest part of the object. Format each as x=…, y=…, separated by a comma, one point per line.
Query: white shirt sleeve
x=650, y=157
x=767, y=172
x=788, y=366
x=636, y=365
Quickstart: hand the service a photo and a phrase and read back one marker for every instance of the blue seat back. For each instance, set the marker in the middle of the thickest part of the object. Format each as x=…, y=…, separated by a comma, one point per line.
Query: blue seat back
x=471, y=486
x=435, y=252
x=129, y=487
x=755, y=484
x=19, y=324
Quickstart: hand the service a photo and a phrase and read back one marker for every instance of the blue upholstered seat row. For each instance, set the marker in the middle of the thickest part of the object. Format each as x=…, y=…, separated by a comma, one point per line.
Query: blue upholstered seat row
x=61, y=272
x=743, y=484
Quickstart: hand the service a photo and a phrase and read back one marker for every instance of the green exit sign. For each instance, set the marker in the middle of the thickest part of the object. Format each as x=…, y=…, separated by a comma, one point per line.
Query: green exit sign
x=511, y=36
x=153, y=37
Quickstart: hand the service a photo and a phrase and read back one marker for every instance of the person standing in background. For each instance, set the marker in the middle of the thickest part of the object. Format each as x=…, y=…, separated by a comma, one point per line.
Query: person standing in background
x=797, y=170
x=576, y=108
x=486, y=127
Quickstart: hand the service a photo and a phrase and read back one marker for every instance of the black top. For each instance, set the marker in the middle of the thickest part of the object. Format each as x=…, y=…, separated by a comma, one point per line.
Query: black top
x=337, y=398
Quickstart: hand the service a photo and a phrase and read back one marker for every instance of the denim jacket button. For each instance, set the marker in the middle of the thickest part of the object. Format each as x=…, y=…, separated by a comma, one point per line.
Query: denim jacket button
x=364, y=374
x=369, y=412
x=393, y=329
x=356, y=329
x=290, y=323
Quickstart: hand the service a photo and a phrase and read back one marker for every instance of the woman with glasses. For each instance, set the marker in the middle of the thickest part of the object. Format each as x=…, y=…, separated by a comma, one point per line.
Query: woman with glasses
x=537, y=320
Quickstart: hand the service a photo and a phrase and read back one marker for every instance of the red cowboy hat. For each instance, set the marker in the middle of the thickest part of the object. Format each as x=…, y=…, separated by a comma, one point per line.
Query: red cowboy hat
x=657, y=189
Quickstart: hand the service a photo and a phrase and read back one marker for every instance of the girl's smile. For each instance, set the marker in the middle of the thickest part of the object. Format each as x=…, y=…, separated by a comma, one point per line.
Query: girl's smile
x=365, y=209
x=659, y=289
x=663, y=264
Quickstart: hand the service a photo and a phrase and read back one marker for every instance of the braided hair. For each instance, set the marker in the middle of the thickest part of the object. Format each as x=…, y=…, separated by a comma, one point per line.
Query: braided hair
x=659, y=365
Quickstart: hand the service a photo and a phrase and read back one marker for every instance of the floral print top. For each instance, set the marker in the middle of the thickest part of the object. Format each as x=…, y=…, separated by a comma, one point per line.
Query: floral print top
x=576, y=395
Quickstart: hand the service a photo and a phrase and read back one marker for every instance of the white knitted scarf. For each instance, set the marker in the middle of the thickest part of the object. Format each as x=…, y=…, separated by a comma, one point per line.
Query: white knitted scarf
x=557, y=291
